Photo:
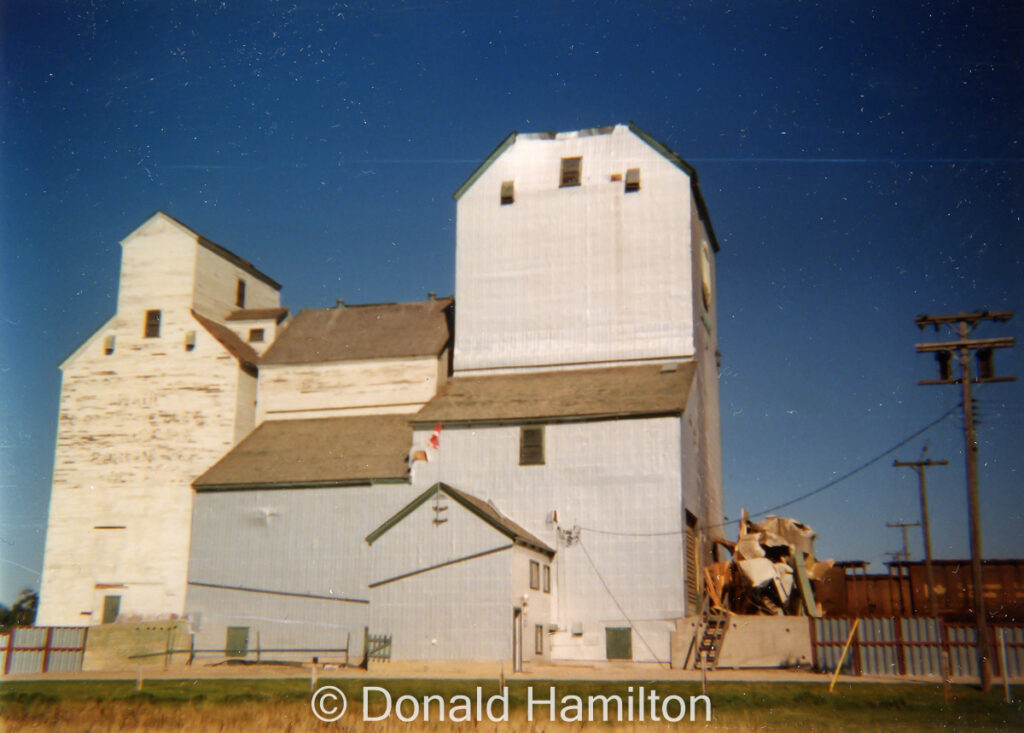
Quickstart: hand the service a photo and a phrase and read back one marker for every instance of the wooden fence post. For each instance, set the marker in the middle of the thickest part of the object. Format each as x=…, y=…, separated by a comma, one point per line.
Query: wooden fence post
x=46, y=649
x=897, y=632
x=10, y=652
x=856, y=651
x=814, y=644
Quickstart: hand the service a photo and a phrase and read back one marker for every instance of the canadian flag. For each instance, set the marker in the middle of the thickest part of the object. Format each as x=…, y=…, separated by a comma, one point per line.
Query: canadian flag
x=435, y=438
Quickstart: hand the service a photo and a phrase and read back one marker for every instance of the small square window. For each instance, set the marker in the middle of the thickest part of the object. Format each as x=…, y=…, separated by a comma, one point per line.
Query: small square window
x=152, y=324
x=547, y=578
x=632, y=180
x=108, y=345
x=571, y=172
x=531, y=446
x=240, y=294
x=508, y=192
x=534, y=575
x=256, y=335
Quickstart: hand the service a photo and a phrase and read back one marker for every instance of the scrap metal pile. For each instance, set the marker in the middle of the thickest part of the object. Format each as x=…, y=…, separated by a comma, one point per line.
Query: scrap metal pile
x=773, y=570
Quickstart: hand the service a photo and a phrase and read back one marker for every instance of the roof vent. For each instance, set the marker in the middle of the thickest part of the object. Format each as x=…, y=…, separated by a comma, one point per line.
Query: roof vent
x=431, y=295
x=341, y=303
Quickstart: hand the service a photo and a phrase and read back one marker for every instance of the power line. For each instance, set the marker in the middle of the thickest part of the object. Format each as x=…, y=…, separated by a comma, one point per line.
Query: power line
x=858, y=469
x=632, y=534
x=616, y=601
x=867, y=464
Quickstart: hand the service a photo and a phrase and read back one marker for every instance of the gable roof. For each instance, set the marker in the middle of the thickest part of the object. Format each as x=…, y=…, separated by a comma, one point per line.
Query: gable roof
x=320, y=452
x=229, y=340
x=212, y=246
x=351, y=332
x=661, y=148
x=258, y=314
x=649, y=389
x=474, y=505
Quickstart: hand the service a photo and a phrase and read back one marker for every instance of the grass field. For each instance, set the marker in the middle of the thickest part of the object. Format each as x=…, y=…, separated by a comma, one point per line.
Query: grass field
x=242, y=705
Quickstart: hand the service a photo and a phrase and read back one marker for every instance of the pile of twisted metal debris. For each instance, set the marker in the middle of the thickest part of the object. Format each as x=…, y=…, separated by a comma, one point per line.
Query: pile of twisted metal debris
x=773, y=570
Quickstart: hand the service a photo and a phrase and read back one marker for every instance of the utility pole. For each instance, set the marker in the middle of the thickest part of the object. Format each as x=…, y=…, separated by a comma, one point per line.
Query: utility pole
x=963, y=347
x=919, y=467
x=904, y=526
x=903, y=568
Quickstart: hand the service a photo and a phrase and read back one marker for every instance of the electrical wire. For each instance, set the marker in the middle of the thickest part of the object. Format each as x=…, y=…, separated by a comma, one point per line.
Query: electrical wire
x=853, y=472
x=802, y=497
x=631, y=534
x=616, y=602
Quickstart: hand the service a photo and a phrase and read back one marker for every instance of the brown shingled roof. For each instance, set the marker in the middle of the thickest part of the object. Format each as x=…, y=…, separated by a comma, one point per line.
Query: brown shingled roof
x=315, y=452
x=258, y=314
x=229, y=339
x=382, y=331
x=610, y=392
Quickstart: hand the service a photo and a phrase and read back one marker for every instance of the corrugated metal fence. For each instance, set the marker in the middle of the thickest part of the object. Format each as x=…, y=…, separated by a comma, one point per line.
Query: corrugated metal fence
x=911, y=646
x=34, y=649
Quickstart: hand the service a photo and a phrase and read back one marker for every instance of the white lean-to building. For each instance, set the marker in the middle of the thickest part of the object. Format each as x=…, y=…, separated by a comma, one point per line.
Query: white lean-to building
x=522, y=473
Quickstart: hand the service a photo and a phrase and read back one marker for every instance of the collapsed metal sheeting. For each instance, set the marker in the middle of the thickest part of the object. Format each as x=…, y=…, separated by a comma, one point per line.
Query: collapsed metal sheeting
x=772, y=571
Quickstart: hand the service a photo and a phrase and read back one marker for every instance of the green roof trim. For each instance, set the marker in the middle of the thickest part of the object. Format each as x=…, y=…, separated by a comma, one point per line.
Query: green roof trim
x=475, y=506
x=677, y=160
x=502, y=147
x=325, y=484
x=403, y=513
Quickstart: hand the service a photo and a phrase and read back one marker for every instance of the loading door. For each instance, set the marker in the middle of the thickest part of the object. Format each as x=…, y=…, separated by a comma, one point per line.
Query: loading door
x=619, y=643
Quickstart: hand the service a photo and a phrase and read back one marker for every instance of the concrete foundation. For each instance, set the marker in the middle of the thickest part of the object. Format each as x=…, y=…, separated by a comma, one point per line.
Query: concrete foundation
x=751, y=642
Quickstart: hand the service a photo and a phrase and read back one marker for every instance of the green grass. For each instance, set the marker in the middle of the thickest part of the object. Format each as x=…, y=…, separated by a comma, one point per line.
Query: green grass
x=736, y=706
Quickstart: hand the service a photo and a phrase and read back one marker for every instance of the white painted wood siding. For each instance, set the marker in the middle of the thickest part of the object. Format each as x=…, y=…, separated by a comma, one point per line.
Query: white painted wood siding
x=578, y=274
x=245, y=410
x=243, y=329
x=216, y=283
x=619, y=476
x=135, y=428
x=158, y=262
x=348, y=388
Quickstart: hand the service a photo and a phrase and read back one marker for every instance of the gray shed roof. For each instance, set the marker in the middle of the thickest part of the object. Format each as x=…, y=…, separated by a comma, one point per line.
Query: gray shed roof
x=351, y=332
x=474, y=505
x=322, y=452
x=580, y=393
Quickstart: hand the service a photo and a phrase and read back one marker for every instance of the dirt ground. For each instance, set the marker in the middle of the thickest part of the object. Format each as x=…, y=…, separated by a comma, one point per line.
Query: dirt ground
x=211, y=669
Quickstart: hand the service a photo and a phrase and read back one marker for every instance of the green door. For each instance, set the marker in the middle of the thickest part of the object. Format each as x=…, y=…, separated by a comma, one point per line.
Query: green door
x=237, y=644
x=619, y=643
x=111, y=608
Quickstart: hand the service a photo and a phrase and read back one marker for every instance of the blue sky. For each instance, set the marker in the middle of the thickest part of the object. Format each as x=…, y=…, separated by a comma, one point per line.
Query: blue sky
x=862, y=163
